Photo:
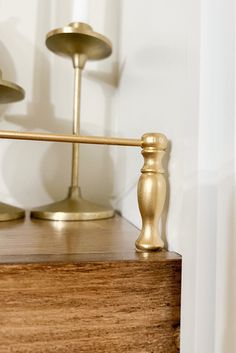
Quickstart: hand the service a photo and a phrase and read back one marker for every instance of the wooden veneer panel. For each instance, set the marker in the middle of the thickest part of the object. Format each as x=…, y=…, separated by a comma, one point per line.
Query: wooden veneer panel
x=104, y=302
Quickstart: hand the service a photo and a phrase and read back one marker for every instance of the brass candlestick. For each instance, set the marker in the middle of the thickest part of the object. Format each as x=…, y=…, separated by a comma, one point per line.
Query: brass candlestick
x=80, y=43
x=9, y=93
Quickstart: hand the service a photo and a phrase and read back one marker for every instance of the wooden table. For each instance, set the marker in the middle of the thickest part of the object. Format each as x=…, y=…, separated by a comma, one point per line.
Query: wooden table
x=81, y=287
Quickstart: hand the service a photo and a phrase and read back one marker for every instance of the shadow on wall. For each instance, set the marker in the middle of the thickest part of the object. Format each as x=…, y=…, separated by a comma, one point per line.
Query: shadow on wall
x=32, y=170
x=96, y=163
x=229, y=340
x=109, y=75
x=164, y=217
x=7, y=68
x=21, y=159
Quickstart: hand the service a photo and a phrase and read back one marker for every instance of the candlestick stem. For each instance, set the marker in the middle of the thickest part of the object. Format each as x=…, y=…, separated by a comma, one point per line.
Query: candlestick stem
x=76, y=127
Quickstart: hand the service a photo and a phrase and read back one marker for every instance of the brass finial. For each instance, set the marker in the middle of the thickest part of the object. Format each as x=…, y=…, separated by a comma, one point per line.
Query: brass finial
x=151, y=191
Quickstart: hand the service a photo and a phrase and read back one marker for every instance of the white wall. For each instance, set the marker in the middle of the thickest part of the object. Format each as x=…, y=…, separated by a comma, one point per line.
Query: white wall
x=159, y=91
x=215, y=293
x=177, y=64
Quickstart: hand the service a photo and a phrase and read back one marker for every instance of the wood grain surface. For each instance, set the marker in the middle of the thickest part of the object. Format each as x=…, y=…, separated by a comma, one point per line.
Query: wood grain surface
x=30, y=240
x=55, y=298
x=89, y=307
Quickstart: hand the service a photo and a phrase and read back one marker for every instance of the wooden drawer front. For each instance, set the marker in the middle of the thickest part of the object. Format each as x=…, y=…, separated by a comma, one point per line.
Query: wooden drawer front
x=123, y=306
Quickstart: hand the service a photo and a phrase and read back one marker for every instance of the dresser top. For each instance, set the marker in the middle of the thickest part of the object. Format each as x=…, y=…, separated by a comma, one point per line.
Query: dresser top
x=33, y=241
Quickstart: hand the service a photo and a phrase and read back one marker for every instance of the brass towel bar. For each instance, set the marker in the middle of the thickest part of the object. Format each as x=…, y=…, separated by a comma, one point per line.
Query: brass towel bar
x=152, y=183
x=35, y=136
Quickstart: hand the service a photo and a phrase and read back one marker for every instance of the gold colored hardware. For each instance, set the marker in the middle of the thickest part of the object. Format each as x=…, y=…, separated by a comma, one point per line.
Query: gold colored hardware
x=79, y=42
x=151, y=186
x=94, y=140
x=78, y=38
x=151, y=192
x=76, y=128
x=10, y=92
x=73, y=208
x=10, y=213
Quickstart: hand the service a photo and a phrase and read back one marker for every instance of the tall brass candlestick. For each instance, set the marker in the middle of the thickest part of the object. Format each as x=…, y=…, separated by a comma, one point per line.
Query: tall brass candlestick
x=79, y=42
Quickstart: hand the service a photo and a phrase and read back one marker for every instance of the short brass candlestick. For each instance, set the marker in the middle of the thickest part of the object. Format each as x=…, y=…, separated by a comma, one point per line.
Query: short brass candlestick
x=9, y=93
x=80, y=43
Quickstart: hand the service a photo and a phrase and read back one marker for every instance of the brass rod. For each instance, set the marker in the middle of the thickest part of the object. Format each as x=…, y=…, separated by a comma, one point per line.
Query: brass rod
x=76, y=126
x=97, y=140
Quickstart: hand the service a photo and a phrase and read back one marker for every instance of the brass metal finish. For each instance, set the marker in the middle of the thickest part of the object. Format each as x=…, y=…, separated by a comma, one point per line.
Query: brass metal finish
x=151, y=187
x=10, y=213
x=73, y=208
x=76, y=128
x=66, y=138
x=10, y=92
x=151, y=192
x=79, y=42
x=78, y=38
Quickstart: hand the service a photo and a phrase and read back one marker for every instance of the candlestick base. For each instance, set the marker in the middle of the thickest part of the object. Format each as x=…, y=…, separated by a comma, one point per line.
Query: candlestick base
x=10, y=213
x=73, y=208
